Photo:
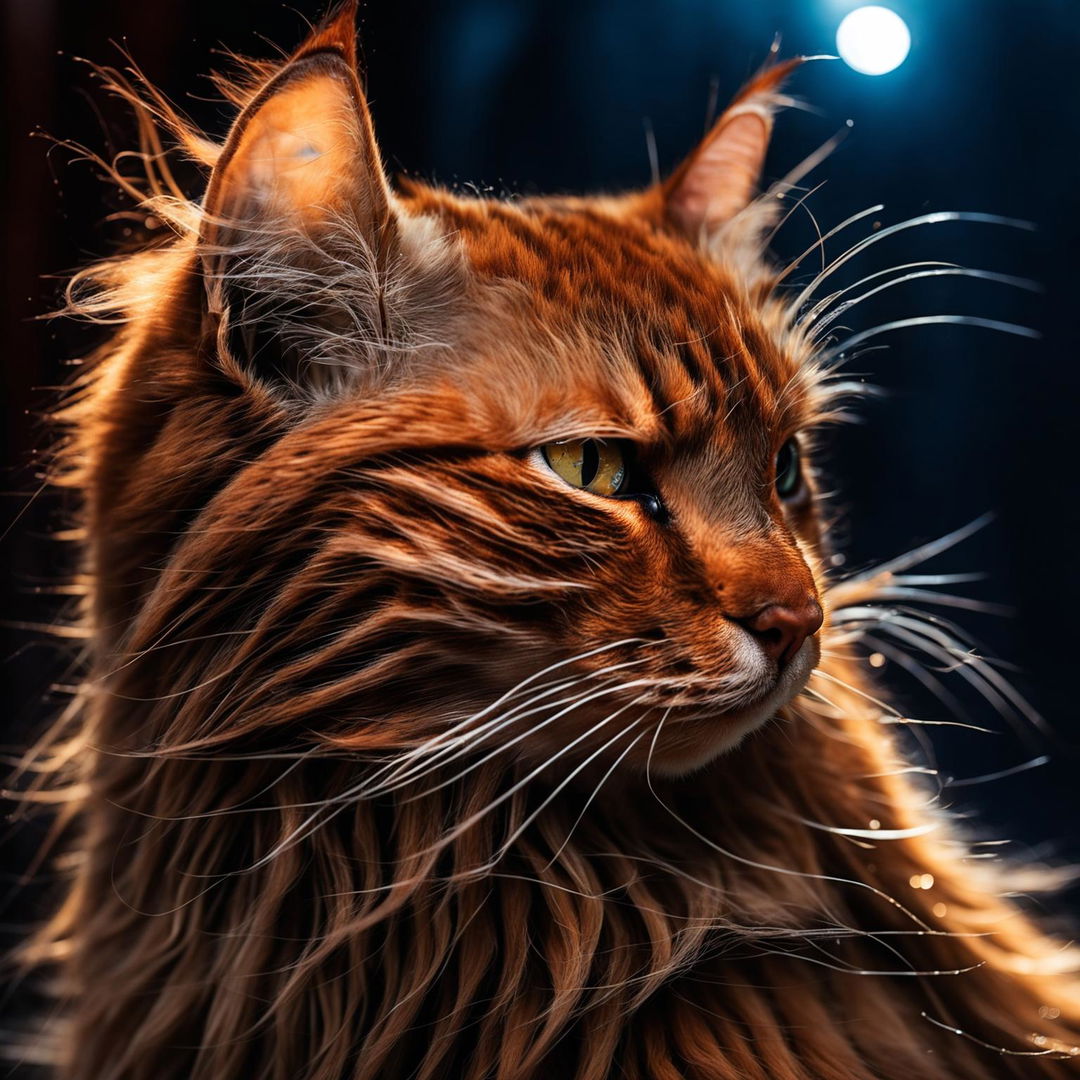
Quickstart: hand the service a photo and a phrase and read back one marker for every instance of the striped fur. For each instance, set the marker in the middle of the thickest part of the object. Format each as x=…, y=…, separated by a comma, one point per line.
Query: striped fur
x=396, y=757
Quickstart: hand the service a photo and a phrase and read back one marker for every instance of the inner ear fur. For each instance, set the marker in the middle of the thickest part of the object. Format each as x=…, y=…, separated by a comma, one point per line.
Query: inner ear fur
x=300, y=171
x=721, y=176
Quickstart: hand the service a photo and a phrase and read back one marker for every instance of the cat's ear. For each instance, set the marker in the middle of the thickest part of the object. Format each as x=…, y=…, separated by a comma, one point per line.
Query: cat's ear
x=721, y=176
x=299, y=168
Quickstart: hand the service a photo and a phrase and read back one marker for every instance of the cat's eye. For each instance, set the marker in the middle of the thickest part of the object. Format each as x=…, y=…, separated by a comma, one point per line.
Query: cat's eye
x=589, y=464
x=789, y=479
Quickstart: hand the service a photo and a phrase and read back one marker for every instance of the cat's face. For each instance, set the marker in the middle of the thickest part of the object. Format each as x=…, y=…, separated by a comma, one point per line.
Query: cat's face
x=643, y=438
x=543, y=474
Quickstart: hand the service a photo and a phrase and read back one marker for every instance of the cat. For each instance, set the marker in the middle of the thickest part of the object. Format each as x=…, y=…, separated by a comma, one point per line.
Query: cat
x=468, y=694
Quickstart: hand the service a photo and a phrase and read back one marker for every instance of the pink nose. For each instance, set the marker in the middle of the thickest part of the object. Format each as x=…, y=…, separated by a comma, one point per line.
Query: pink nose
x=780, y=631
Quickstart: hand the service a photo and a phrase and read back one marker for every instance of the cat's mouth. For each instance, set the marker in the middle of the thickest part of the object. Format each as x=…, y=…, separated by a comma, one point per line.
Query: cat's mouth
x=671, y=717
x=694, y=736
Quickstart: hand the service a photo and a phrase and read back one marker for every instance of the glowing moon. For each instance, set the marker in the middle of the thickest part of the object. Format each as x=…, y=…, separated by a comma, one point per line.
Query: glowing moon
x=873, y=40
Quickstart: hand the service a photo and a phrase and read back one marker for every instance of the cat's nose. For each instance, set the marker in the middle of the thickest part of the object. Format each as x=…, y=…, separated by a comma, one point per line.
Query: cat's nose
x=781, y=630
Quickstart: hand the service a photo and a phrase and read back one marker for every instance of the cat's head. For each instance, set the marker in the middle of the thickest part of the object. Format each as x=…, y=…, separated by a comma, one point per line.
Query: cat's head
x=534, y=467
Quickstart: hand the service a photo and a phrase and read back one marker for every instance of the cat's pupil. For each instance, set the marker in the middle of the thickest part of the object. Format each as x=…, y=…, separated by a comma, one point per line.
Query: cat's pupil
x=590, y=462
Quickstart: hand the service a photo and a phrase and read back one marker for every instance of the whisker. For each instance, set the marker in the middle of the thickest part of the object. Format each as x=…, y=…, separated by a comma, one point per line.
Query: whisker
x=890, y=716
x=887, y=972
x=472, y=820
x=938, y=599
x=808, y=165
x=426, y=756
x=938, y=723
x=936, y=218
x=864, y=834
x=937, y=579
x=990, y=1046
x=582, y=700
x=825, y=321
x=785, y=870
x=997, y=691
x=515, y=690
x=783, y=188
x=917, y=671
x=929, y=320
x=795, y=263
x=576, y=771
x=857, y=583
x=807, y=317
x=986, y=778
x=589, y=801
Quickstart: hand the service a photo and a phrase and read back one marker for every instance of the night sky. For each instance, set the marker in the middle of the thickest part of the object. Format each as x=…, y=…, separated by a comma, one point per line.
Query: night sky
x=527, y=96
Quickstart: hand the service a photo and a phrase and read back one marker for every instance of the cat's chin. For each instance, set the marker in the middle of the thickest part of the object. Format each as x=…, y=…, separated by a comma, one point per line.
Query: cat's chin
x=686, y=746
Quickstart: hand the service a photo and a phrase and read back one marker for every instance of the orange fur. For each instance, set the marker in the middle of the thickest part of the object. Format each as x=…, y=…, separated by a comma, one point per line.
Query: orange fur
x=306, y=571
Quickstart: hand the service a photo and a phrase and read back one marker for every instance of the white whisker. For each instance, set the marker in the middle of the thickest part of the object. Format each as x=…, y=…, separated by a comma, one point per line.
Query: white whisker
x=936, y=218
x=1001, y=774
x=431, y=753
x=465, y=725
x=825, y=321
x=807, y=317
x=589, y=801
x=864, y=834
x=990, y=1046
x=577, y=702
x=784, y=870
x=928, y=320
x=470, y=821
x=796, y=262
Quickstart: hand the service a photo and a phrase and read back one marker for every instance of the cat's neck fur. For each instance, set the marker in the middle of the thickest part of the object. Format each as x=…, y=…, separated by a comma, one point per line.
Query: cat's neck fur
x=703, y=929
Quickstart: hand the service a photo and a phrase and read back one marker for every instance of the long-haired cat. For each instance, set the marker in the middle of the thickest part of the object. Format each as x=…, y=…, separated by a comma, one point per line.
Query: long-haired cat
x=466, y=694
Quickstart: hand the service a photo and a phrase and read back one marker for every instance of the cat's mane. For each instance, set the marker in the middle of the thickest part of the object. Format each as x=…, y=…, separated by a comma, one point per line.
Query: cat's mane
x=240, y=908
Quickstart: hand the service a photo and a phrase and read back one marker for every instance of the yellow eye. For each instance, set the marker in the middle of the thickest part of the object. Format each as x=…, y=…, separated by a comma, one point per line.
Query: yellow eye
x=589, y=464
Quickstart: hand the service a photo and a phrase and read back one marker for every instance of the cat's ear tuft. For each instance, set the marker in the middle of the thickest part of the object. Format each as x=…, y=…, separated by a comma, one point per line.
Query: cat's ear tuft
x=337, y=31
x=720, y=178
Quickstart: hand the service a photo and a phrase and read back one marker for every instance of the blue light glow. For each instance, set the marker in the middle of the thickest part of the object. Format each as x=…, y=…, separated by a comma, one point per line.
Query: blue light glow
x=873, y=40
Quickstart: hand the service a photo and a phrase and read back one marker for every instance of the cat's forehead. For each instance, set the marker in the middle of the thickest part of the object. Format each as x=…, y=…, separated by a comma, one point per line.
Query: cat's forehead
x=669, y=331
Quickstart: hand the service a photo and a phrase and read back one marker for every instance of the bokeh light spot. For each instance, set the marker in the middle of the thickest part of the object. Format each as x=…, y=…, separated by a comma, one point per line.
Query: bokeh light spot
x=873, y=40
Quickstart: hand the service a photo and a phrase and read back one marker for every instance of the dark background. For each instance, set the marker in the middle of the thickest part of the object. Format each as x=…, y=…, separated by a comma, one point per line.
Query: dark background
x=531, y=95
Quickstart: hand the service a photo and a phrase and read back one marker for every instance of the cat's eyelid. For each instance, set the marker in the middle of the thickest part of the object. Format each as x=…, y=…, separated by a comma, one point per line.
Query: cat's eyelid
x=632, y=440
